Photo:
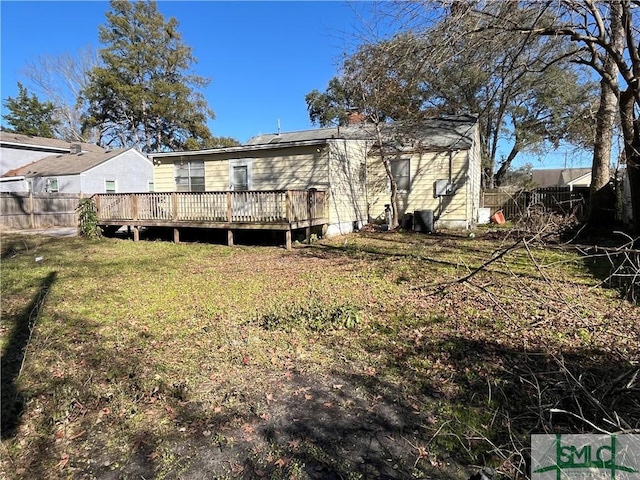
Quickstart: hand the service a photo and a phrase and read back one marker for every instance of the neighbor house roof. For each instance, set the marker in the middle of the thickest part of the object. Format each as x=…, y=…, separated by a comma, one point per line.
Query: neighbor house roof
x=558, y=177
x=66, y=164
x=41, y=143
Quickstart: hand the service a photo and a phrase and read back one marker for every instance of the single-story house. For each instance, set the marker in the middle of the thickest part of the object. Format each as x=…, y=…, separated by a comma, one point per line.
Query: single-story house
x=17, y=150
x=561, y=177
x=436, y=168
x=104, y=171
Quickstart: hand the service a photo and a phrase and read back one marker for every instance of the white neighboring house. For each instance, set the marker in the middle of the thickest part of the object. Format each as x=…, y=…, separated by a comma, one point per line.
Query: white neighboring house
x=562, y=177
x=118, y=171
x=17, y=150
x=39, y=164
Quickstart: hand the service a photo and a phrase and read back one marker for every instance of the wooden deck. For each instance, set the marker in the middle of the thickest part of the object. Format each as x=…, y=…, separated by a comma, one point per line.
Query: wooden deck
x=283, y=210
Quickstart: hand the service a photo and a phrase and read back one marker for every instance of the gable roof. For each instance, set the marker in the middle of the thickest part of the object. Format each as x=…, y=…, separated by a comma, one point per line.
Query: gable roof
x=66, y=164
x=558, y=177
x=18, y=140
x=439, y=133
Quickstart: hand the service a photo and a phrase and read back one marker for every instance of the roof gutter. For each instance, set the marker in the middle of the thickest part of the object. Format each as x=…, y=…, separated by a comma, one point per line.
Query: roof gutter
x=240, y=148
x=28, y=146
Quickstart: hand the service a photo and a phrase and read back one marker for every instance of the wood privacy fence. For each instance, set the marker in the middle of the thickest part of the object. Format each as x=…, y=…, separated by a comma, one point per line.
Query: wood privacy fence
x=27, y=210
x=515, y=204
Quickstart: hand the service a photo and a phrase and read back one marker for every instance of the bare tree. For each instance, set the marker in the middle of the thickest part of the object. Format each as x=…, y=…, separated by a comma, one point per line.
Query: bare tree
x=61, y=78
x=605, y=36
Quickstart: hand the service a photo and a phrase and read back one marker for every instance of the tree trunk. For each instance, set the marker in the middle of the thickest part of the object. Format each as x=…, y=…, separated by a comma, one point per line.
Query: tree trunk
x=631, y=133
x=506, y=164
x=601, y=207
x=395, y=207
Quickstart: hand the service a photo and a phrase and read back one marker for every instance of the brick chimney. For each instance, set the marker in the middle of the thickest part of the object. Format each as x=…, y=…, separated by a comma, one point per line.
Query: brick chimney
x=355, y=118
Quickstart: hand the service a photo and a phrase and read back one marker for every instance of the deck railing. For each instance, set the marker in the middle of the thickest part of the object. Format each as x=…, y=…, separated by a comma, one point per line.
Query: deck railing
x=273, y=206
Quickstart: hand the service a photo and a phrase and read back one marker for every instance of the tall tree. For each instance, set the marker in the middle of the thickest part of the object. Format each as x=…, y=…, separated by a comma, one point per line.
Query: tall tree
x=525, y=92
x=143, y=94
x=29, y=116
x=606, y=38
x=60, y=78
x=379, y=83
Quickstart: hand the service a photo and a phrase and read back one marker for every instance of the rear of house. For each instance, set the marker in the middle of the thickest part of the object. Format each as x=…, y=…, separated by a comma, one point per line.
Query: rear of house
x=265, y=164
x=438, y=170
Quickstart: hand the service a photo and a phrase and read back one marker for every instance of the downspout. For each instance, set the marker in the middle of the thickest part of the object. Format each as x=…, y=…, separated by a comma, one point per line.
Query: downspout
x=366, y=183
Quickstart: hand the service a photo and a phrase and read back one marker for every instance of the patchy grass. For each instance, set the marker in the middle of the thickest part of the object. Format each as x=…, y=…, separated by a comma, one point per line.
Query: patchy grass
x=359, y=357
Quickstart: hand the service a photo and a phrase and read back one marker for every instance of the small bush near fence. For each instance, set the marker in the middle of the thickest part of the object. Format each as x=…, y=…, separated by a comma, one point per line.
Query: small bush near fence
x=88, y=219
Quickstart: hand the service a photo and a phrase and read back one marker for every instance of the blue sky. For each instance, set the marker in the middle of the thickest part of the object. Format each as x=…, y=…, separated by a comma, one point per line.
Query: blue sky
x=262, y=57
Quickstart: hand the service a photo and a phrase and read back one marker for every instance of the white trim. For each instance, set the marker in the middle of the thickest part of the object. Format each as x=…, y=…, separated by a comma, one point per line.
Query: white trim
x=581, y=179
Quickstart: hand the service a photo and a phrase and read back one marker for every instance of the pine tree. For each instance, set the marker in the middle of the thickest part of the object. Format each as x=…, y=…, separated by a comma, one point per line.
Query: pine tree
x=142, y=94
x=29, y=116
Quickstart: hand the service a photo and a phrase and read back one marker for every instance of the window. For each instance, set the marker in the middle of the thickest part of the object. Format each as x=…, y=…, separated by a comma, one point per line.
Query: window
x=189, y=176
x=151, y=187
x=400, y=169
x=240, y=178
x=240, y=174
x=110, y=186
x=52, y=185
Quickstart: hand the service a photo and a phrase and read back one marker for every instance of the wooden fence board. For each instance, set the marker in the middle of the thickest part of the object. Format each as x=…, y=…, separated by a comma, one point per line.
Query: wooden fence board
x=23, y=210
x=515, y=204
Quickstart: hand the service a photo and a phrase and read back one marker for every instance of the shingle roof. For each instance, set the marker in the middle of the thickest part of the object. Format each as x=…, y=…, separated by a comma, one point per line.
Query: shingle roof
x=9, y=138
x=65, y=164
x=557, y=177
x=450, y=132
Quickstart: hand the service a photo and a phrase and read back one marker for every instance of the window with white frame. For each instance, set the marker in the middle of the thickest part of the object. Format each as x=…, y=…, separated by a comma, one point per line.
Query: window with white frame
x=189, y=175
x=400, y=169
x=151, y=187
x=110, y=186
x=51, y=185
x=240, y=175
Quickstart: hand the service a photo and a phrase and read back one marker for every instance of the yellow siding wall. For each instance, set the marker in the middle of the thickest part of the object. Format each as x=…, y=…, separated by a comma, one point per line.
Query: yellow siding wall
x=347, y=192
x=293, y=168
x=163, y=176
x=297, y=168
x=425, y=168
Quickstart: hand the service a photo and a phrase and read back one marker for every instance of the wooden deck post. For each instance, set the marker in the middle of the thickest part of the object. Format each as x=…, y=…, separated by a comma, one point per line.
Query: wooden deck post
x=176, y=235
x=287, y=236
x=174, y=205
x=229, y=207
x=310, y=199
x=134, y=206
x=288, y=203
x=230, y=237
x=96, y=201
x=32, y=220
x=136, y=233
